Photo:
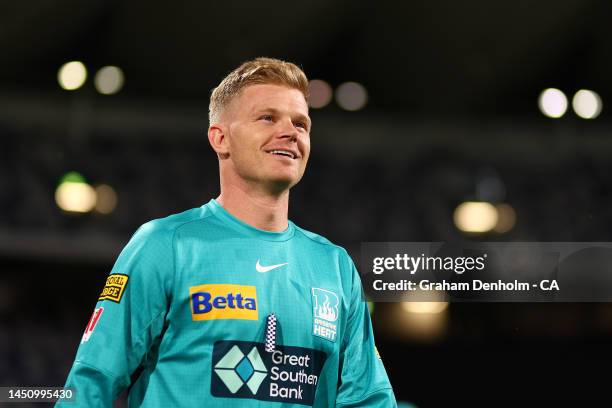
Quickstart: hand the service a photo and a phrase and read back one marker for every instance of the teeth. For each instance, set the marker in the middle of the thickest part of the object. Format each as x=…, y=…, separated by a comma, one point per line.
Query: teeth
x=284, y=153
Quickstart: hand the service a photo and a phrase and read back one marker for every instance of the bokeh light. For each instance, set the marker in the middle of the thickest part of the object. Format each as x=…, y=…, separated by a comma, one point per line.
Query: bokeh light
x=351, y=96
x=109, y=80
x=422, y=317
x=72, y=75
x=320, y=93
x=475, y=217
x=587, y=104
x=73, y=194
x=424, y=307
x=552, y=103
x=106, y=199
x=506, y=218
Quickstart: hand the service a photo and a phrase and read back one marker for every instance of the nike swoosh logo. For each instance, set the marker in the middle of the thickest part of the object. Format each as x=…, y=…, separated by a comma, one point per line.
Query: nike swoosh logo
x=264, y=269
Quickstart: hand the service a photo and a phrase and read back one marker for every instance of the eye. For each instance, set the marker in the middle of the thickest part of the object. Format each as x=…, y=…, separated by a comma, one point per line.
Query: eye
x=301, y=125
x=267, y=118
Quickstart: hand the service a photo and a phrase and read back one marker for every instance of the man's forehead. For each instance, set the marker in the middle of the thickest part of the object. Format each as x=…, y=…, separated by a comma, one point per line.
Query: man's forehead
x=260, y=97
x=268, y=96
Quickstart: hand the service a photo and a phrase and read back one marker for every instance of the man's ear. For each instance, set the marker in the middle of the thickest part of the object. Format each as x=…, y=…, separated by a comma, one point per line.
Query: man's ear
x=217, y=138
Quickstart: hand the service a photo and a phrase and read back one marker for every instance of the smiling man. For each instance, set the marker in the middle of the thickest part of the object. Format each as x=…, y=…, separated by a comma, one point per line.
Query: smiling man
x=231, y=304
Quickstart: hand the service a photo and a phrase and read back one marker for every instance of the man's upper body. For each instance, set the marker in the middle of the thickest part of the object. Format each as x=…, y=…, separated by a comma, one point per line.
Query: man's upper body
x=230, y=304
x=186, y=305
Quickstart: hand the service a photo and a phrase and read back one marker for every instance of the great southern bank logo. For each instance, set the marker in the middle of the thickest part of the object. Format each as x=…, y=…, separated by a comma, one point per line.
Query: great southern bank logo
x=244, y=369
x=236, y=369
x=325, y=313
x=223, y=301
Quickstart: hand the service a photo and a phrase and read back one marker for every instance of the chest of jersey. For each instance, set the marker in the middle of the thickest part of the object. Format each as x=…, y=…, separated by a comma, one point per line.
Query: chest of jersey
x=226, y=289
x=224, y=293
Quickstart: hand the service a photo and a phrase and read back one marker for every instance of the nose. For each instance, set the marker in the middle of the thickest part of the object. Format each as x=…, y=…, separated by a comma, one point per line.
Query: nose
x=287, y=130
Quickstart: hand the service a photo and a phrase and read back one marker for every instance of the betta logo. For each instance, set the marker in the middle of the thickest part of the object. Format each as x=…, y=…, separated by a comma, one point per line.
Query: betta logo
x=221, y=301
x=325, y=313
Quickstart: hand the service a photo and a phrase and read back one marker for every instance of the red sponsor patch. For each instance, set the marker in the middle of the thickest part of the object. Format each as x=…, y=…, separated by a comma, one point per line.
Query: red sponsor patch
x=93, y=321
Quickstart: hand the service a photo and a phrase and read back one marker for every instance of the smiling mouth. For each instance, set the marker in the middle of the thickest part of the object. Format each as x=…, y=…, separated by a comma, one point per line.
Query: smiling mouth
x=285, y=153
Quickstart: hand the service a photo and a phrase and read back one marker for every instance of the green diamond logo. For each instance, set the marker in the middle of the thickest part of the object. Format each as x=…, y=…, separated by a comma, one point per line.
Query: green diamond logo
x=236, y=369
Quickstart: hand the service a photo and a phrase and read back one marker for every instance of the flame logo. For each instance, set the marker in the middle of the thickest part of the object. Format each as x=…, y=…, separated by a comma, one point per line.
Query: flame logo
x=326, y=312
x=325, y=304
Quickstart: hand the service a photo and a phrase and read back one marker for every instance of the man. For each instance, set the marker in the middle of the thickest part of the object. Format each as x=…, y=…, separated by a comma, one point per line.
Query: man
x=230, y=304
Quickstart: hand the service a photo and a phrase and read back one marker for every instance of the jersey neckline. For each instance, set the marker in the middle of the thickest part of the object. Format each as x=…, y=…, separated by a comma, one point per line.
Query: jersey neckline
x=247, y=229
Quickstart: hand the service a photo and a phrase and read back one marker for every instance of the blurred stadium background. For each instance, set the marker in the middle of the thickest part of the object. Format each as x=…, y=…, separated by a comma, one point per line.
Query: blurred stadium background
x=418, y=108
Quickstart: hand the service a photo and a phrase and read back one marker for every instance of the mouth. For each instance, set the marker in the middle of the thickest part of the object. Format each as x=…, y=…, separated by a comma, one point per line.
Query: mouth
x=283, y=152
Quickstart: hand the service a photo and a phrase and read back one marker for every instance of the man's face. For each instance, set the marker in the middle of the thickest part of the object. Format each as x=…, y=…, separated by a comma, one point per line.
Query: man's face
x=268, y=135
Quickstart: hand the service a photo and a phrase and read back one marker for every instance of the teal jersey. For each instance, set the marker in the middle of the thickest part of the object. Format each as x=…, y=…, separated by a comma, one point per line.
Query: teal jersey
x=202, y=309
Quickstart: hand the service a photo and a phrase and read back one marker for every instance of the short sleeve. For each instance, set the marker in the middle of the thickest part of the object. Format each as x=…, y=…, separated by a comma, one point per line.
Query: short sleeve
x=363, y=379
x=128, y=318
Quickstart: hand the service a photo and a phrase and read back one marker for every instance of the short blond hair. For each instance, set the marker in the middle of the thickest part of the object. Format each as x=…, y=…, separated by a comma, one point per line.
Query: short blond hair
x=257, y=71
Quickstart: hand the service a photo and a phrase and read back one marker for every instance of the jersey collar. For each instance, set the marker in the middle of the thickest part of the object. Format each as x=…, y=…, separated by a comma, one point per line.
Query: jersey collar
x=247, y=229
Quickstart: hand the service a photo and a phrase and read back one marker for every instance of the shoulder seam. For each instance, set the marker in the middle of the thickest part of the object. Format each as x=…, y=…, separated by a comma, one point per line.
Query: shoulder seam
x=139, y=339
x=328, y=243
x=188, y=222
x=173, y=247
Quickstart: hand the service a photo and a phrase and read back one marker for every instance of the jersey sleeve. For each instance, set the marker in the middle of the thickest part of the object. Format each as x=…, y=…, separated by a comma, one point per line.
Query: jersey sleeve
x=128, y=319
x=363, y=379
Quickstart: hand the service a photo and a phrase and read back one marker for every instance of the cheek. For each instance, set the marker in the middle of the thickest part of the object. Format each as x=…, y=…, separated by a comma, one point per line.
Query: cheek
x=241, y=147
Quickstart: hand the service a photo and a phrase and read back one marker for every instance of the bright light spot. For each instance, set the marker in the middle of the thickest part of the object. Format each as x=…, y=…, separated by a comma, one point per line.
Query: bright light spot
x=109, y=80
x=418, y=321
x=72, y=75
x=106, y=199
x=552, y=103
x=74, y=195
x=423, y=302
x=320, y=93
x=475, y=216
x=506, y=218
x=72, y=176
x=586, y=104
x=351, y=96
x=424, y=307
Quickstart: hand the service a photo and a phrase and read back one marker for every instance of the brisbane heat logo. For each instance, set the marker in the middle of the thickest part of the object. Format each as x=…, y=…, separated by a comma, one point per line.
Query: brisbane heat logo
x=223, y=301
x=325, y=313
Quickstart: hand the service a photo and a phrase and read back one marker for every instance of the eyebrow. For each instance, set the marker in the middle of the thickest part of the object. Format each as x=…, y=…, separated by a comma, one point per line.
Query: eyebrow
x=275, y=111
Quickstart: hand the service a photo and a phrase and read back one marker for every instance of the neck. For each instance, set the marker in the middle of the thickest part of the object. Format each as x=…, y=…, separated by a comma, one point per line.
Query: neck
x=259, y=209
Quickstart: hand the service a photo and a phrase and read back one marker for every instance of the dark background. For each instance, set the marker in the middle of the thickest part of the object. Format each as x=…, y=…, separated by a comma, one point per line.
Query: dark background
x=453, y=90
